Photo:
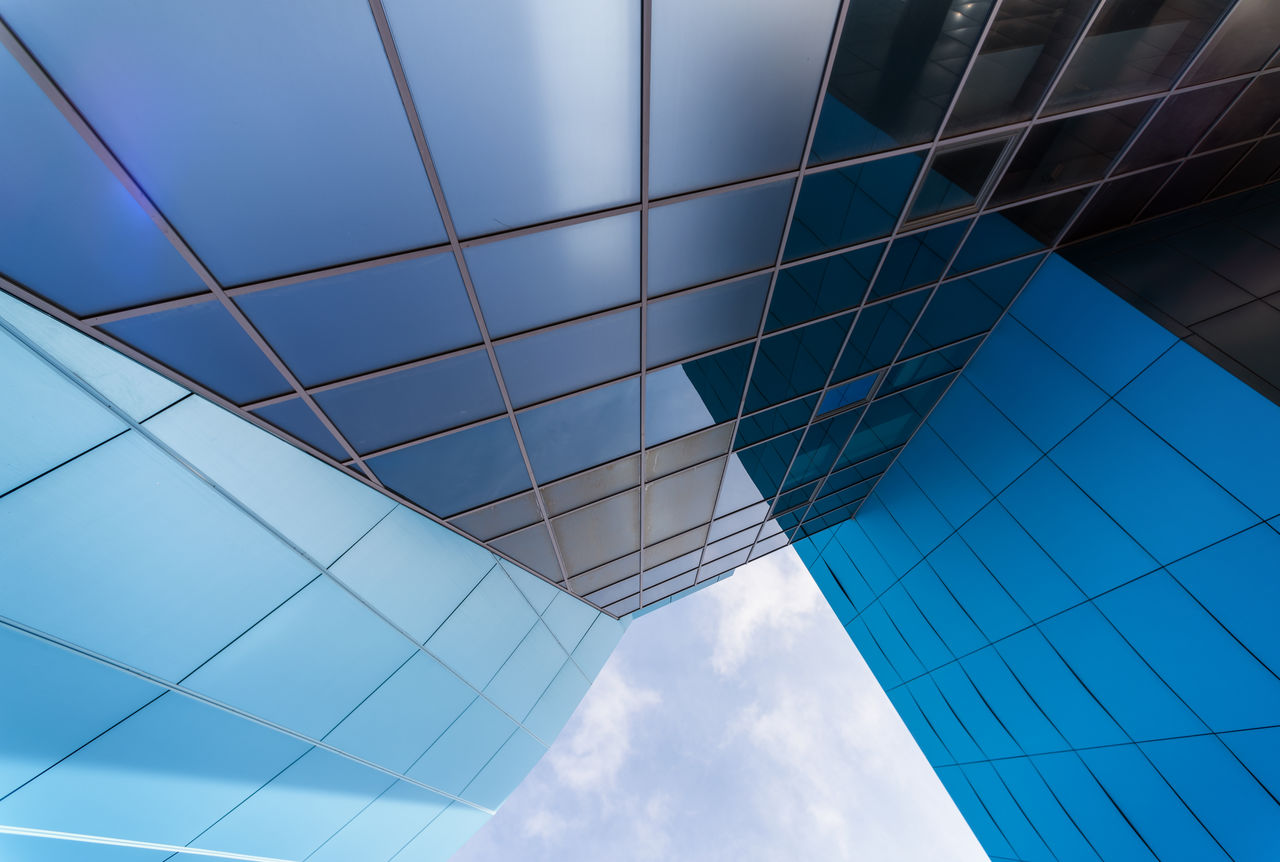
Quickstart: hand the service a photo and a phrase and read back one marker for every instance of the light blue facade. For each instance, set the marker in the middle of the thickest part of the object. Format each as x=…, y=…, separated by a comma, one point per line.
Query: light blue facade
x=209, y=639
x=1068, y=586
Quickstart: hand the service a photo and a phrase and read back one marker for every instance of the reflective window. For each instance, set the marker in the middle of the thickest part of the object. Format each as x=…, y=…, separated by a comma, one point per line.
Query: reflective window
x=896, y=67
x=1242, y=44
x=205, y=343
x=714, y=237
x=740, y=520
x=583, y=430
x=956, y=178
x=500, y=518
x=672, y=503
x=295, y=418
x=1258, y=167
x=592, y=485
x=878, y=334
x=917, y=259
x=795, y=362
x=1252, y=115
x=687, y=451
x=1016, y=231
x=847, y=393
x=383, y=411
x=695, y=394
x=849, y=205
x=821, y=287
x=737, y=489
x=1195, y=180
x=347, y=324
x=822, y=443
x=1118, y=202
x=1181, y=121
x=532, y=548
x=705, y=319
x=545, y=364
x=1134, y=47
x=765, y=465
x=560, y=84
x=456, y=472
x=774, y=421
x=549, y=276
x=797, y=497
x=890, y=421
x=928, y=365
x=733, y=88
x=600, y=532
x=302, y=163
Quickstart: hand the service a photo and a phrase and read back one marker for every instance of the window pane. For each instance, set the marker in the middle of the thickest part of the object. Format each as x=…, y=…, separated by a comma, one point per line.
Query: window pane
x=1240, y=45
x=704, y=320
x=793, y=363
x=546, y=364
x=1182, y=120
x=917, y=259
x=850, y=205
x=583, y=430
x=821, y=287
x=956, y=178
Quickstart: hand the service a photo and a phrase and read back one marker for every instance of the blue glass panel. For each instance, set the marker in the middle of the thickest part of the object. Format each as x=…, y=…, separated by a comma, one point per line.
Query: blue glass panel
x=1259, y=753
x=988, y=444
x=380, y=830
x=383, y=411
x=459, y=471
x=917, y=260
x=444, y=835
x=908, y=505
x=483, y=632
x=320, y=509
x=821, y=287
x=46, y=419
x=1159, y=497
x=924, y=640
x=69, y=231
x=888, y=536
x=462, y=750
x=980, y=594
x=764, y=467
x=569, y=619
x=553, y=275
x=719, y=380
x=939, y=714
x=822, y=444
x=733, y=89
x=504, y=771
x=846, y=394
x=596, y=646
x=1091, y=808
x=1007, y=813
x=128, y=503
x=704, y=320
x=975, y=813
x=205, y=343
x=926, y=366
x=547, y=364
x=1030, y=727
x=559, y=82
x=877, y=336
x=34, y=849
x=1005, y=235
x=776, y=420
x=294, y=417
x=959, y=309
x=348, y=324
x=527, y=673
x=795, y=362
x=166, y=773
x=302, y=163
x=532, y=548
x=849, y=205
x=582, y=431
x=714, y=237
x=1033, y=580
x=561, y=698
x=385, y=569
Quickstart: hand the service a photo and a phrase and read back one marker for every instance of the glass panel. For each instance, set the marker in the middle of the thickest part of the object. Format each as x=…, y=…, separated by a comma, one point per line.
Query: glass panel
x=797, y=497
x=1068, y=152
x=821, y=287
x=553, y=275
x=878, y=334
x=724, y=564
x=729, y=544
x=294, y=417
x=822, y=443
x=1182, y=120
x=917, y=259
x=347, y=324
x=1016, y=231
x=1118, y=202
x=558, y=361
x=849, y=205
x=1022, y=52
x=733, y=88
x=674, y=503
x=669, y=549
x=714, y=237
x=616, y=591
x=705, y=319
x=668, y=587
x=687, y=451
x=684, y=398
x=532, y=548
x=499, y=518
x=847, y=393
x=456, y=472
x=301, y=163
x=583, y=430
x=383, y=411
x=205, y=343
x=1195, y=180
x=592, y=485
x=1253, y=115
x=896, y=67
x=600, y=532
x=1254, y=169
x=765, y=465
x=683, y=563
x=890, y=421
x=69, y=230
x=1134, y=47
x=968, y=306
x=740, y=520
x=1242, y=44
x=956, y=177
x=737, y=489
x=928, y=365
x=559, y=82
x=774, y=421
x=793, y=363
x=609, y=573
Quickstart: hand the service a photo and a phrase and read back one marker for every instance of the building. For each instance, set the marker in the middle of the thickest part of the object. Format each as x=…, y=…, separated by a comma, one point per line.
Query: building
x=575, y=307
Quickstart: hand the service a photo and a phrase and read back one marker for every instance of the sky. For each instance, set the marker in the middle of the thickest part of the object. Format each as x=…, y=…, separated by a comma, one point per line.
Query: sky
x=738, y=723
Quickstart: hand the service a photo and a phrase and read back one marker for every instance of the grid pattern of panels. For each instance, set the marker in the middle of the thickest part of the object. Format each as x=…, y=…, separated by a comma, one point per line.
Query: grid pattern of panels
x=705, y=255
x=1066, y=584
x=277, y=661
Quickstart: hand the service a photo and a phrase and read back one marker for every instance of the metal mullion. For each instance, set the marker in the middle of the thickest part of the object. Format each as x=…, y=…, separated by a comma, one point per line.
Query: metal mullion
x=149, y=308
x=437, y=190
x=829, y=65
x=854, y=161
x=646, y=62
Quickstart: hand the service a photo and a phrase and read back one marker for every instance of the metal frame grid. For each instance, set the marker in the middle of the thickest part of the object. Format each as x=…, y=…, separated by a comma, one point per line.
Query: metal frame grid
x=765, y=538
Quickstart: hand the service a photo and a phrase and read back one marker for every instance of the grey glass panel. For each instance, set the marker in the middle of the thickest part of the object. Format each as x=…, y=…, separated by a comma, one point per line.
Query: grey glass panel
x=725, y=564
x=500, y=518
x=795, y=362
x=609, y=573
x=1181, y=121
x=1068, y=152
x=559, y=82
x=1253, y=115
x=296, y=418
x=878, y=334
x=917, y=259
x=740, y=520
x=669, y=549
x=583, y=430
x=665, y=571
x=546, y=364
x=821, y=287
x=205, y=343
x=592, y=485
x=775, y=420
x=956, y=177
x=614, y=592
x=458, y=471
x=1133, y=47
x=1259, y=166
x=714, y=237
x=669, y=587
x=705, y=319
x=383, y=411
x=789, y=500
x=769, y=545
x=1242, y=44
x=600, y=532
x=343, y=325
x=896, y=67
x=1026, y=44
x=674, y=503
x=849, y=205
x=625, y=606
x=553, y=275
x=687, y=451
x=68, y=230
x=305, y=155
x=889, y=422
x=532, y=548
x=733, y=88
x=738, y=488
x=729, y=544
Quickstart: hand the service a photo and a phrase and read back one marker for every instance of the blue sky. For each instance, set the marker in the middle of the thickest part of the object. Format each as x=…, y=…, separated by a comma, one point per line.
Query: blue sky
x=741, y=724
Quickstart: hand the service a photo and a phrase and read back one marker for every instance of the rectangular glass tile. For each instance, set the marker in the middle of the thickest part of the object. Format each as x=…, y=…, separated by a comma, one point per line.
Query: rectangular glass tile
x=847, y=393
x=1181, y=121
x=583, y=430
x=558, y=361
x=774, y=421
x=850, y=205
x=821, y=287
x=703, y=320
x=594, y=484
x=957, y=177
x=917, y=259
x=795, y=362
x=677, y=502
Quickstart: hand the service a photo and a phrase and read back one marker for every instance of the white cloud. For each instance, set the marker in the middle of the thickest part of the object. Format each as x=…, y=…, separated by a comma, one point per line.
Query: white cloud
x=769, y=610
